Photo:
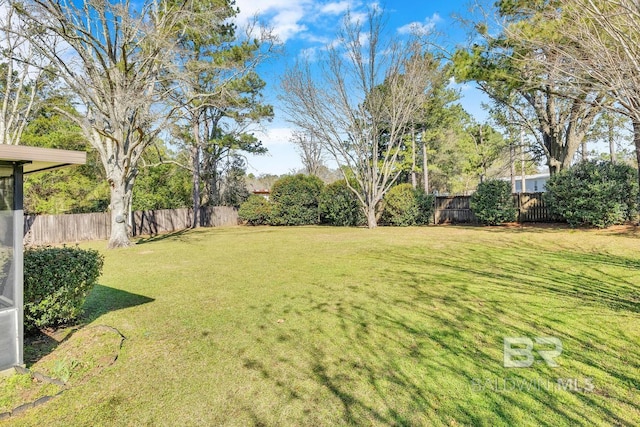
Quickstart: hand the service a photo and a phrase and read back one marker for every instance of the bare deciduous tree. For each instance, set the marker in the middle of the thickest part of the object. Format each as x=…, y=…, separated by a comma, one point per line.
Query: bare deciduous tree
x=111, y=55
x=310, y=150
x=361, y=104
x=21, y=76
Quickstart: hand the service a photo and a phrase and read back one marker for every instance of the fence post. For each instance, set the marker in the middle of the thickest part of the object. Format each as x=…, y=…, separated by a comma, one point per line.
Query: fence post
x=435, y=206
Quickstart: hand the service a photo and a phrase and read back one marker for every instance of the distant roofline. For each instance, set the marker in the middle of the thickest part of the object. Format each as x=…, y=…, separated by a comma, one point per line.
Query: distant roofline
x=518, y=177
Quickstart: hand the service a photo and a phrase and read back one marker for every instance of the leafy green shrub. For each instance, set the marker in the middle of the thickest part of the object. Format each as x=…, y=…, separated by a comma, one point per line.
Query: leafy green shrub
x=294, y=200
x=56, y=284
x=403, y=205
x=492, y=203
x=594, y=193
x=340, y=206
x=255, y=211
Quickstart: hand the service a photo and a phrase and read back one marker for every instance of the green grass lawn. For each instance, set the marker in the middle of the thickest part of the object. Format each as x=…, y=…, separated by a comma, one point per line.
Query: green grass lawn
x=396, y=326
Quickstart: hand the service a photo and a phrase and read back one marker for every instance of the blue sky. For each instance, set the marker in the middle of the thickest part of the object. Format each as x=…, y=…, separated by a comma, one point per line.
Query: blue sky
x=306, y=26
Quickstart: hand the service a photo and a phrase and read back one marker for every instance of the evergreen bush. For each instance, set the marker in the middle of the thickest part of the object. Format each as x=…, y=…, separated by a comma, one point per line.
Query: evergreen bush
x=256, y=210
x=294, y=200
x=56, y=284
x=594, y=193
x=405, y=206
x=339, y=206
x=492, y=203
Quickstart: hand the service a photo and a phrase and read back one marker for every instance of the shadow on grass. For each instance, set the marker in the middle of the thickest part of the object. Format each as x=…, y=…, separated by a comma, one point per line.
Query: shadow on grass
x=536, y=227
x=627, y=230
x=104, y=299
x=536, y=298
x=414, y=357
x=101, y=300
x=176, y=235
x=192, y=235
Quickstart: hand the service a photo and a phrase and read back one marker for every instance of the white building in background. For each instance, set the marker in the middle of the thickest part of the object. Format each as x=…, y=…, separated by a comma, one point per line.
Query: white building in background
x=533, y=183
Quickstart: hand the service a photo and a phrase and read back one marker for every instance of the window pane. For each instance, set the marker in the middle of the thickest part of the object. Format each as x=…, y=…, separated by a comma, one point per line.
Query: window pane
x=7, y=281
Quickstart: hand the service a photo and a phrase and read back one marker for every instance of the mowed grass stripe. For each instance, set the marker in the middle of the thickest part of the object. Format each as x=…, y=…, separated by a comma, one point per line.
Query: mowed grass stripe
x=395, y=326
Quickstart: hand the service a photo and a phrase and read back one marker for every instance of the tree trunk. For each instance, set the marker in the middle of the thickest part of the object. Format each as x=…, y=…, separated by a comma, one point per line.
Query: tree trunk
x=195, y=162
x=612, y=143
x=372, y=220
x=561, y=150
x=120, y=199
x=414, y=178
x=555, y=157
x=523, y=172
x=636, y=142
x=512, y=154
x=214, y=185
x=425, y=167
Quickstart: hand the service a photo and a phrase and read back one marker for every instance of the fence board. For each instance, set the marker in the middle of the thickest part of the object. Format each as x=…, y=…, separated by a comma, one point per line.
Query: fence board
x=218, y=216
x=457, y=209
x=72, y=228
x=161, y=221
x=531, y=208
x=453, y=210
x=69, y=228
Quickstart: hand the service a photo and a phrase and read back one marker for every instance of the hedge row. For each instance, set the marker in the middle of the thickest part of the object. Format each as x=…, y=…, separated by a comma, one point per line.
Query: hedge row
x=597, y=194
x=592, y=193
x=305, y=200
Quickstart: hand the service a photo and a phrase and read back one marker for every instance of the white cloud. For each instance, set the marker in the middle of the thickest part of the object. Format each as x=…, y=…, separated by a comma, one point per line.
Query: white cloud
x=335, y=8
x=309, y=54
x=364, y=38
x=305, y=19
x=375, y=6
x=459, y=86
x=315, y=38
x=285, y=24
x=275, y=136
x=284, y=16
x=282, y=156
x=421, y=27
x=358, y=17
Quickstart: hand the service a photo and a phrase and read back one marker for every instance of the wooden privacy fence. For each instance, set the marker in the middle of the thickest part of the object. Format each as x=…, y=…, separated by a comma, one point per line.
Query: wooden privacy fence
x=531, y=208
x=70, y=228
x=453, y=210
x=457, y=209
x=49, y=229
x=149, y=223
